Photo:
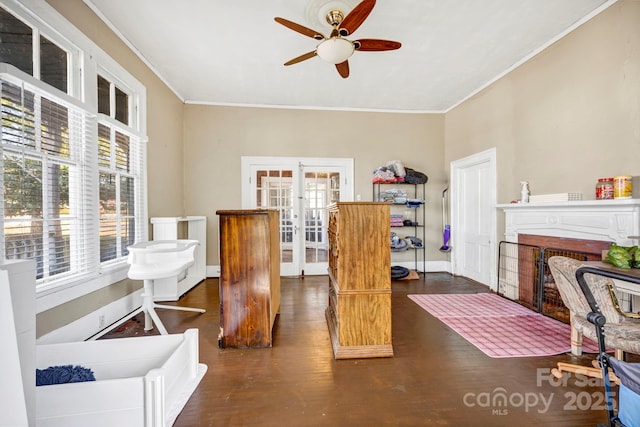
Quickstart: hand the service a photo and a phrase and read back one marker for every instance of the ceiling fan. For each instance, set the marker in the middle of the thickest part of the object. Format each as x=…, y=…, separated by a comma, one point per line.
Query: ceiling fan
x=336, y=49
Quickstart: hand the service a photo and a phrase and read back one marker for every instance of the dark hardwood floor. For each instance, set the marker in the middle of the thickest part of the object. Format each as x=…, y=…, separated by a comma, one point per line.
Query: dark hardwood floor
x=436, y=378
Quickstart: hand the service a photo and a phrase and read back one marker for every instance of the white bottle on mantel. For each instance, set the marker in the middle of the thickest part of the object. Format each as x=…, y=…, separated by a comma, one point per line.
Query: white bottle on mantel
x=524, y=192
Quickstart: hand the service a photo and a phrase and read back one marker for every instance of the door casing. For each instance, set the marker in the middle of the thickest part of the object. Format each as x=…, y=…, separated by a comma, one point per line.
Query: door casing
x=486, y=197
x=249, y=164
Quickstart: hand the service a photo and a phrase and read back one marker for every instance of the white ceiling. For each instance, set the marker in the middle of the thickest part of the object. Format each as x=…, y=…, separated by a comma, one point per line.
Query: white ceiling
x=232, y=52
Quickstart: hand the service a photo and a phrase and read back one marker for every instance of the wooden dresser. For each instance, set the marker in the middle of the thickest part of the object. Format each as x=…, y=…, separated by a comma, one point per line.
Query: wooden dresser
x=249, y=277
x=359, y=311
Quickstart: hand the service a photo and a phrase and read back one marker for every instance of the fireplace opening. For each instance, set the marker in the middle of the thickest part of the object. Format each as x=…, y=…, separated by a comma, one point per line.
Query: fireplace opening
x=524, y=275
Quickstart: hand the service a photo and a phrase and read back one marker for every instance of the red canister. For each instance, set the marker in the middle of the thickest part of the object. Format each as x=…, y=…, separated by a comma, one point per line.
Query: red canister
x=604, y=189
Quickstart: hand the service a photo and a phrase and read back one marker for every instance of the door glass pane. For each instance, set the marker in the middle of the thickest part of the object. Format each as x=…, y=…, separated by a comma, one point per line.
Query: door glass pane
x=320, y=189
x=334, y=182
x=274, y=190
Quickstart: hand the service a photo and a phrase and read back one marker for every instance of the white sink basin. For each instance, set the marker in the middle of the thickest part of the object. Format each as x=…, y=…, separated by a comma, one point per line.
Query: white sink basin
x=158, y=259
x=153, y=260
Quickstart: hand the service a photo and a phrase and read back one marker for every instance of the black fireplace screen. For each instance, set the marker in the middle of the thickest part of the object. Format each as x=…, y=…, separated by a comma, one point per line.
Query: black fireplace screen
x=524, y=277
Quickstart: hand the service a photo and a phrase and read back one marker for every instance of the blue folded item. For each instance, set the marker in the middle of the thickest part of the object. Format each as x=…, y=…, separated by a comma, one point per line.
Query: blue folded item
x=414, y=203
x=63, y=374
x=629, y=412
x=629, y=392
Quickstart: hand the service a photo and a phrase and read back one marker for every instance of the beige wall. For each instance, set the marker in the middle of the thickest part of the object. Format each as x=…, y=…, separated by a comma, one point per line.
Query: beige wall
x=562, y=120
x=216, y=138
x=565, y=118
x=164, y=112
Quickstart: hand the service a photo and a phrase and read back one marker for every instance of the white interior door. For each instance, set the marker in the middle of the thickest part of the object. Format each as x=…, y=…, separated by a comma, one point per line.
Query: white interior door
x=473, y=217
x=300, y=189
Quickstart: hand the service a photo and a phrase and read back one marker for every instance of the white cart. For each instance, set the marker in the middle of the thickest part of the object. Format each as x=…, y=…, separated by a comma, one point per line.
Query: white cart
x=170, y=228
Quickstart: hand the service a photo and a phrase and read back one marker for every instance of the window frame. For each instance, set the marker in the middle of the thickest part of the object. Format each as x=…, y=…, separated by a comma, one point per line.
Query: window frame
x=39, y=27
x=46, y=158
x=85, y=60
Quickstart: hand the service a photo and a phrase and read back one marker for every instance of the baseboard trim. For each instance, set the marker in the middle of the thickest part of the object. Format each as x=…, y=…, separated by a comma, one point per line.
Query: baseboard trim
x=430, y=267
x=94, y=322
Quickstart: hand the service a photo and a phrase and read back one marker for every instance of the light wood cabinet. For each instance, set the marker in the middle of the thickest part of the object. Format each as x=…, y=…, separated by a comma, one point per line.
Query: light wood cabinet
x=359, y=310
x=249, y=277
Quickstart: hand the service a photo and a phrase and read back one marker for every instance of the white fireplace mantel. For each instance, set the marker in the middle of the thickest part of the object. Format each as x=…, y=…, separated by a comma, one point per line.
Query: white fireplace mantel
x=615, y=220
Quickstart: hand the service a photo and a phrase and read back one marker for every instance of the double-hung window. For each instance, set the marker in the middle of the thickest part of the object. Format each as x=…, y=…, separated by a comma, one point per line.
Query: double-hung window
x=119, y=159
x=45, y=201
x=72, y=155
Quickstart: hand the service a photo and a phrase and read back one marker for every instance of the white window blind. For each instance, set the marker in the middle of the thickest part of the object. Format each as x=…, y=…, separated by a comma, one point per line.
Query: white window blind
x=118, y=199
x=120, y=160
x=48, y=185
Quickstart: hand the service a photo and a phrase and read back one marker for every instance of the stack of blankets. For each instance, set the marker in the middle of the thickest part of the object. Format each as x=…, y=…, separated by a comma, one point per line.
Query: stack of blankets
x=393, y=195
x=397, y=220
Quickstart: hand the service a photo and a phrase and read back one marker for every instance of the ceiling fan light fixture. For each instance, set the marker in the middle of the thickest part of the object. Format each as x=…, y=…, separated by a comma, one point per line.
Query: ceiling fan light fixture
x=335, y=17
x=335, y=50
x=317, y=11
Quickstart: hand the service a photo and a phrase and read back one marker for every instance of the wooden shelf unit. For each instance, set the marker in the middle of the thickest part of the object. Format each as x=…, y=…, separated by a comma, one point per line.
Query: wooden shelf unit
x=249, y=277
x=359, y=309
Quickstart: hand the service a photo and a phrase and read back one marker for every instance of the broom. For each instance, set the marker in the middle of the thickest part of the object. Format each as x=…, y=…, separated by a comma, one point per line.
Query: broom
x=446, y=228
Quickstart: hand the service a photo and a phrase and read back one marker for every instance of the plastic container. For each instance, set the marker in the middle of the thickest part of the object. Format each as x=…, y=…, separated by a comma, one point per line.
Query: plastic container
x=524, y=192
x=604, y=189
x=622, y=187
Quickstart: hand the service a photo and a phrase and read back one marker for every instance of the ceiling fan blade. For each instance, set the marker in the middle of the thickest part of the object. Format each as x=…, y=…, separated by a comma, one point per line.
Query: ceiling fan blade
x=373, y=45
x=343, y=69
x=301, y=58
x=300, y=29
x=356, y=17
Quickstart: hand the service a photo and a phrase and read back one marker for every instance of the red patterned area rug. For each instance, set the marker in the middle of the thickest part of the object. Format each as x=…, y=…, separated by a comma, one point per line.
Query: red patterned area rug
x=499, y=327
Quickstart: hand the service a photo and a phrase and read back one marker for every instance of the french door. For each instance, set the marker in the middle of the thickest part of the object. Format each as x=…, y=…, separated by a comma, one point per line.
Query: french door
x=300, y=190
